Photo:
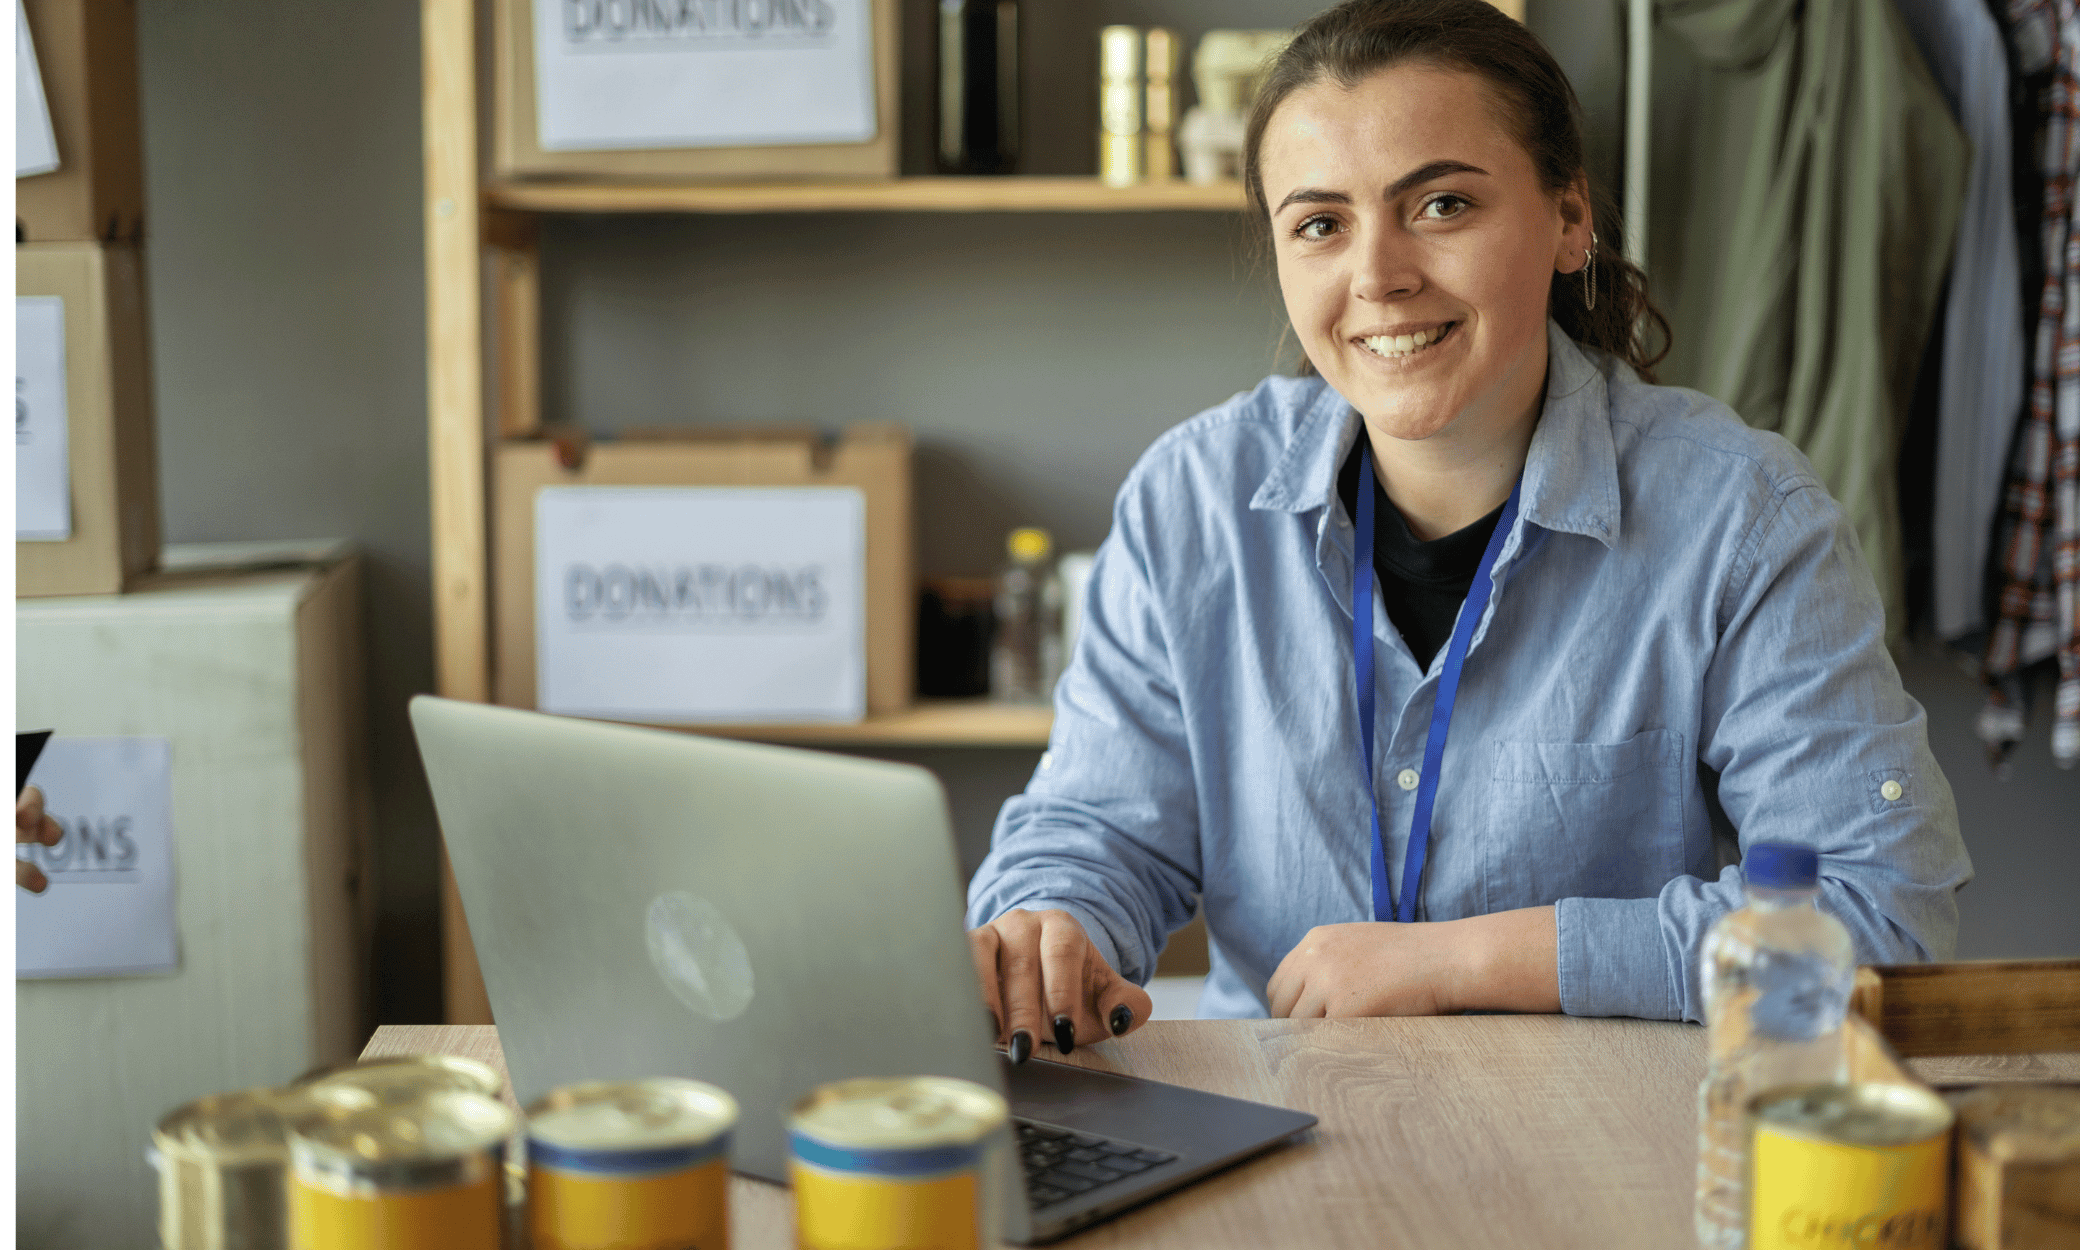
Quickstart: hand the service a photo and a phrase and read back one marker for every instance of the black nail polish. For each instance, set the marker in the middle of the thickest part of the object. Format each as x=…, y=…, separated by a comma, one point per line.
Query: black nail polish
x=1021, y=1046
x=1122, y=1016
x=1064, y=1034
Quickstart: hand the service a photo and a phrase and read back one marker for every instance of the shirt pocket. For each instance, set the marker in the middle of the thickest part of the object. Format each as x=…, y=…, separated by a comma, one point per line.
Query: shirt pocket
x=1583, y=820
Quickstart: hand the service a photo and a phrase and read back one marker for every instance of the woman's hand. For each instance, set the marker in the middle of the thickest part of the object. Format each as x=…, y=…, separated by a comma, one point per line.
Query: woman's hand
x=31, y=824
x=1503, y=962
x=1041, y=977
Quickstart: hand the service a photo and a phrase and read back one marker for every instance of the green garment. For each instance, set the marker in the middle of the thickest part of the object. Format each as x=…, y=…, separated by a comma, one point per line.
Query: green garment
x=1806, y=188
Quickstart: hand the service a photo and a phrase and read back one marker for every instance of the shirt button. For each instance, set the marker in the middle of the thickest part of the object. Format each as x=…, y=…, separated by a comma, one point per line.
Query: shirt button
x=1892, y=790
x=1408, y=779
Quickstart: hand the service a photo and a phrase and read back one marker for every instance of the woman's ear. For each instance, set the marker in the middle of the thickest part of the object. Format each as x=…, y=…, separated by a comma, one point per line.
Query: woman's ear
x=1578, y=221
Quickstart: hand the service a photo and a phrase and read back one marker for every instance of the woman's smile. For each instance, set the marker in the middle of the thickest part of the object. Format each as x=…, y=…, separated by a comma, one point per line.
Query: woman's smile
x=1403, y=346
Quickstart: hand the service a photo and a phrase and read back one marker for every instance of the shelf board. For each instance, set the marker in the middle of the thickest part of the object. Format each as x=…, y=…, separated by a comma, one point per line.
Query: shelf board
x=927, y=723
x=896, y=195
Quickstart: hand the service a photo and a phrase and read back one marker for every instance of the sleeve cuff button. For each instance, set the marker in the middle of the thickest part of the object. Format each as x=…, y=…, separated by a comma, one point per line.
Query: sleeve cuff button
x=1892, y=790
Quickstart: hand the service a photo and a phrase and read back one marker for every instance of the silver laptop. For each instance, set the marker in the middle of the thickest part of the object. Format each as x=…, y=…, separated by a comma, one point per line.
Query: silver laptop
x=647, y=903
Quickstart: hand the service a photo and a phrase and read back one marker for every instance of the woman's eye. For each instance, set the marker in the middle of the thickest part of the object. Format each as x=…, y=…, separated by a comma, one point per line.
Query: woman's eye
x=1315, y=228
x=1444, y=207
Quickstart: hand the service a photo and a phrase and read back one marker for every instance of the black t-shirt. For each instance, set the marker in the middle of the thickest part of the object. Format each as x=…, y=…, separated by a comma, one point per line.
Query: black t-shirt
x=1423, y=583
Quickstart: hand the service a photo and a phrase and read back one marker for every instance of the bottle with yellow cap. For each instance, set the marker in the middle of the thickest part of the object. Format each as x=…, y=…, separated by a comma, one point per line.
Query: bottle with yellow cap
x=1026, y=655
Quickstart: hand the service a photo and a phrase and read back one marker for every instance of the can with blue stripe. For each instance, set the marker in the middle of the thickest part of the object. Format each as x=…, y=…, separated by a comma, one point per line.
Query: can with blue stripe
x=630, y=1165
x=897, y=1164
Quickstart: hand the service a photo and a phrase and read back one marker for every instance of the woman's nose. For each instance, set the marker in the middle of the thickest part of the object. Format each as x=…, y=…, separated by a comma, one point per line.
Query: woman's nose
x=1385, y=267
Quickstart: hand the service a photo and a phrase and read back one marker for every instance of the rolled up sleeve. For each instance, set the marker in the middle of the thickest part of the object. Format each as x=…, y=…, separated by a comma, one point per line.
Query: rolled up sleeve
x=1815, y=742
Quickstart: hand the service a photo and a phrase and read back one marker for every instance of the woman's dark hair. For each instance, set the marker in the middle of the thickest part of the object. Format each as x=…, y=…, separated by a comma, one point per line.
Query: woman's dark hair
x=1359, y=38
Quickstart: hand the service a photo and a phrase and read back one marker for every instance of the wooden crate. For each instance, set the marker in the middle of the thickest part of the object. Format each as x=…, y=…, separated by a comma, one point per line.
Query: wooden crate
x=113, y=453
x=86, y=52
x=517, y=150
x=873, y=457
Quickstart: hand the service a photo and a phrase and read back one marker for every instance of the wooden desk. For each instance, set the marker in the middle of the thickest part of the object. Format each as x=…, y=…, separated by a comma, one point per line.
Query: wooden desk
x=1540, y=1131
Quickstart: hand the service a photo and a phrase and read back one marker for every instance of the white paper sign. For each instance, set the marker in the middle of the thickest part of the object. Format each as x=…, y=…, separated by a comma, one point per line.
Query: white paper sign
x=109, y=908
x=701, y=603
x=42, y=461
x=35, y=146
x=702, y=73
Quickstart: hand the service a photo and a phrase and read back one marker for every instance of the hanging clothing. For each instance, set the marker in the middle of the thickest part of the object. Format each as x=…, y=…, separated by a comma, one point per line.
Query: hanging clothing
x=2039, y=559
x=1980, y=391
x=1811, y=200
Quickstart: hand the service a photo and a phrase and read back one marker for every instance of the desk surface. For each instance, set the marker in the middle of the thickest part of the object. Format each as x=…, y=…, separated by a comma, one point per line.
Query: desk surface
x=1542, y=1131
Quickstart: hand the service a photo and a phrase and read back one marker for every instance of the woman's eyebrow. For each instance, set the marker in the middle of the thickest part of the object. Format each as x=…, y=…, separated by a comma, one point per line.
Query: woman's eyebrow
x=1407, y=182
x=1312, y=195
x=1429, y=173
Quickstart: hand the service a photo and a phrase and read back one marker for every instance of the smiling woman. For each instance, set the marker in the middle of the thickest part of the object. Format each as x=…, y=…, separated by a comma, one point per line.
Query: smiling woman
x=1427, y=676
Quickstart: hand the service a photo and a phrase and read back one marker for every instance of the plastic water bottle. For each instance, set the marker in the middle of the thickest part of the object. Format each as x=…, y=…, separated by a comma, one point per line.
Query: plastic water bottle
x=1027, y=654
x=1777, y=975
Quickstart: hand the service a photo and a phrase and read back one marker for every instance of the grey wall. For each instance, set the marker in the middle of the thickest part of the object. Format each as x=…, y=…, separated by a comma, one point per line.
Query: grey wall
x=282, y=171
x=1036, y=355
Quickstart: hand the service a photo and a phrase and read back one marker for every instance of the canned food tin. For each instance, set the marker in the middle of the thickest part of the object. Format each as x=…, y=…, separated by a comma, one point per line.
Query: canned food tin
x=223, y=1165
x=630, y=1165
x=1862, y=1165
x=882, y=1164
x=401, y=1080
x=426, y=1176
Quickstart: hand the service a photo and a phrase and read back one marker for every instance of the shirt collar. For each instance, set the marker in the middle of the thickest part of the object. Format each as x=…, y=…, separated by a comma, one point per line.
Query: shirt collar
x=1570, y=473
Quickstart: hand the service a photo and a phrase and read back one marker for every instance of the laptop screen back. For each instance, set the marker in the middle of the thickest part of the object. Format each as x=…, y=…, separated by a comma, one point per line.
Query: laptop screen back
x=647, y=903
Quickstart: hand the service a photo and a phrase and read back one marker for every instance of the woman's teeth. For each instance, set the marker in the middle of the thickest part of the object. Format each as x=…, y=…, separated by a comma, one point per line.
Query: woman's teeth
x=1394, y=346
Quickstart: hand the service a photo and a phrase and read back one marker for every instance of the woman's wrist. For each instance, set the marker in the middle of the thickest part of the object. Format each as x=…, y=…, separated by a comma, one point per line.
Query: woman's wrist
x=1505, y=961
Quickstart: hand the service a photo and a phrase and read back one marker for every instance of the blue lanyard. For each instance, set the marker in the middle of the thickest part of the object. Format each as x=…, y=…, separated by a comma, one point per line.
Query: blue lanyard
x=1447, y=691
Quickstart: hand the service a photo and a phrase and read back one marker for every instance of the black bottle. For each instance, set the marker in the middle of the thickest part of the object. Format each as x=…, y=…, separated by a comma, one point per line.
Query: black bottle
x=978, y=86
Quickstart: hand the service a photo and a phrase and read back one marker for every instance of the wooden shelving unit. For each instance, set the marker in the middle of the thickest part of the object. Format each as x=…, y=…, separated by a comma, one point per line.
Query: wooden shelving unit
x=896, y=195
x=927, y=723
x=483, y=325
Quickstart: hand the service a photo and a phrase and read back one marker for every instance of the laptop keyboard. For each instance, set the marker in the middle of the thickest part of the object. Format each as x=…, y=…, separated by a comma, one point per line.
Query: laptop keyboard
x=1061, y=1165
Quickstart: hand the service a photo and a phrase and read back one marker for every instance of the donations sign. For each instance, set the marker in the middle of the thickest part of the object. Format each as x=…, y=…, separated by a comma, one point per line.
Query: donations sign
x=688, y=604
x=109, y=909
x=615, y=74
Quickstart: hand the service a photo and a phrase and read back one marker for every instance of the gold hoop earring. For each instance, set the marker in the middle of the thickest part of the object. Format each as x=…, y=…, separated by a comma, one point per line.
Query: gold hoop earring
x=1589, y=275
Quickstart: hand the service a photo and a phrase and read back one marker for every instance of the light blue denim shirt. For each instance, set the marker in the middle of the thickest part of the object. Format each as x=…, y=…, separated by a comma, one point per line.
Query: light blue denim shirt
x=1679, y=599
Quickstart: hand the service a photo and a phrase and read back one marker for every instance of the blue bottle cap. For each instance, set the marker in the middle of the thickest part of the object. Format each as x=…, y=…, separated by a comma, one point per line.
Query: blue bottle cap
x=1781, y=866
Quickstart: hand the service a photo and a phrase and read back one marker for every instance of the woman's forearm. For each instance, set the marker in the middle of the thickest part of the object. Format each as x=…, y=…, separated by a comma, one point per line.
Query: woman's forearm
x=1509, y=962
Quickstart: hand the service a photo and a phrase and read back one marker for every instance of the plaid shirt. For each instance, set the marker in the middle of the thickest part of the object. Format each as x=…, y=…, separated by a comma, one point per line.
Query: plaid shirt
x=2040, y=557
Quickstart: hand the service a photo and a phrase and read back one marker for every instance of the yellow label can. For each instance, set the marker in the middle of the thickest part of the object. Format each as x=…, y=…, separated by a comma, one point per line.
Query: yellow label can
x=903, y=1164
x=224, y=1161
x=1855, y=1167
x=630, y=1165
x=424, y=1176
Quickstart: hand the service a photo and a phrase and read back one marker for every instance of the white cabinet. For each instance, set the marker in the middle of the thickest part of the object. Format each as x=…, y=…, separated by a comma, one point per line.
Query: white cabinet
x=255, y=677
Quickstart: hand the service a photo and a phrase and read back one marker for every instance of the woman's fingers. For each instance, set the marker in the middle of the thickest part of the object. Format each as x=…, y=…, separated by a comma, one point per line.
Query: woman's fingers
x=983, y=944
x=33, y=824
x=1019, y=980
x=1283, y=990
x=1119, y=1005
x=1064, y=953
x=1051, y=984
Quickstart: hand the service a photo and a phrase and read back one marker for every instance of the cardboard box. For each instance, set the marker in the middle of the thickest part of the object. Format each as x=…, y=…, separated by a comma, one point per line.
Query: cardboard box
x=255, y=678
x=113, y=450
x=517, y=150
x=872, y=456
x=86, y=51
